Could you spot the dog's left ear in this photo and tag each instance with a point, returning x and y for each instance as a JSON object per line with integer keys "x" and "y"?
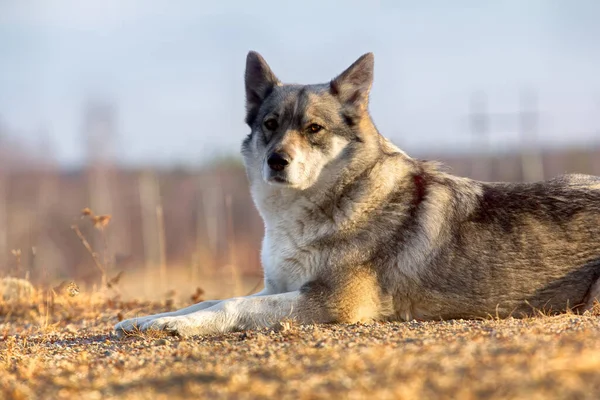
{"x": 260, "y": 81}
{"x": 353, "y": 85}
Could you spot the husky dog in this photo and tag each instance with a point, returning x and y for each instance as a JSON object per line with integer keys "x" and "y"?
{"x": 356, "y": 230}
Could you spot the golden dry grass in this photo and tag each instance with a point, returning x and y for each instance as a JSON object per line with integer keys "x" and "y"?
{"x": 67, "y": 349}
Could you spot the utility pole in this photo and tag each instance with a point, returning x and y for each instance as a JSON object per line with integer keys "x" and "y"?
{"x": 526, "y": 121}
{"x": 99, "y": 130}
{"x": 531, "y": 158}
{"x": 596, "y": 150}
{"x": 479, "y": 119}
{"x": 99, "y": 133}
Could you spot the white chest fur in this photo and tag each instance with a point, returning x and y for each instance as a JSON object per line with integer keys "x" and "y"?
{"x": 289, "y": 255}
{"x": 288, "y": 261}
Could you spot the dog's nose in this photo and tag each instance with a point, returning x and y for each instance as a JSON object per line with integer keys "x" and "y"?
{"x": 278, "y": 161}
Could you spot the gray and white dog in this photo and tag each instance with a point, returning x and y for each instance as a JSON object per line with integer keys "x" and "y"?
{"x": 356, "y": 230}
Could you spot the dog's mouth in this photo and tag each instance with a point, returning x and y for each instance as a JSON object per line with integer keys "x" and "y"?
{"x": 279, "y": 180}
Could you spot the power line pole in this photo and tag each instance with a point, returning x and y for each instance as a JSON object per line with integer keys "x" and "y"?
{"x": 531, "y": 158}
{"x": 526, "y": 121}
{"x": 99, "y": 129}
{"x": 479, "y": 119}
{"x": 596, "y": 144}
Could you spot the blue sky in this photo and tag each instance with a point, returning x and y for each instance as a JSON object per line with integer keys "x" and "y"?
{"x": 174, "y": 70}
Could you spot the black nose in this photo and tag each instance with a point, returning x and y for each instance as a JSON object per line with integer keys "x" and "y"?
{"x": 278, "y": 161}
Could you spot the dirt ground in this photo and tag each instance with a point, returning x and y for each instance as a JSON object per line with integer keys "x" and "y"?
{"x": 68, "y": 350}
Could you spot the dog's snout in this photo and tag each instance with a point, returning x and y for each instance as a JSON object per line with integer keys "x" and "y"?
{"x": 278, "y": 161}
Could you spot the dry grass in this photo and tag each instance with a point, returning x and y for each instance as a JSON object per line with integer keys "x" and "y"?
{"x": 56, "y": 342}
{"x": 66, "y": 349}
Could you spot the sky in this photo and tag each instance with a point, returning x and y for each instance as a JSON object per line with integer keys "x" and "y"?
{"x": 174, "y": 70}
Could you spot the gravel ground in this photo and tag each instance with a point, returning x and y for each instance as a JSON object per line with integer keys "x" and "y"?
{"x": 69, "y": 351}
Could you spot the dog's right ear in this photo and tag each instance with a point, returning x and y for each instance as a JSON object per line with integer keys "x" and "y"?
{"x": 353, "y": 85}
{"x": 260, "y": 81}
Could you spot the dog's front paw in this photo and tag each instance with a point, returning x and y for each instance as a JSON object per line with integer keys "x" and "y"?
{"x": 178, "y": 326}
{"x": 173, "y": 325}
{"x": 130, "y": 326}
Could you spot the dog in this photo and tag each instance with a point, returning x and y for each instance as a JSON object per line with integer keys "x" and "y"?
{"x": 356, "y": 230}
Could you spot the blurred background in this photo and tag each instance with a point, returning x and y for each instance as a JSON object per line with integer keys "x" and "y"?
{"x": 135, "y": 109}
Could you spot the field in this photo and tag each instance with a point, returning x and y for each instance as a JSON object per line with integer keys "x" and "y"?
{"x": 64, "y": 347}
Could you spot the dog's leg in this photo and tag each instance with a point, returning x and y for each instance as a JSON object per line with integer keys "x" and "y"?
{"x": 134, "y": 324}
{"x": 352, "y": 298}
{"x": 234, "y": 314}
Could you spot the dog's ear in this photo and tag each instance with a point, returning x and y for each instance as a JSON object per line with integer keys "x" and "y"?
{"x": 353, "y": 85}
{"x": 260, "y": 81}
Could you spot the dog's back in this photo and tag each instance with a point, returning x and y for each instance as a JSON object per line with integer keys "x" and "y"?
{"x": 523, "y": 247}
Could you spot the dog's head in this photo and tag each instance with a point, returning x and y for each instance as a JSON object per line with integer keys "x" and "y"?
{"x": 298, "y": 130}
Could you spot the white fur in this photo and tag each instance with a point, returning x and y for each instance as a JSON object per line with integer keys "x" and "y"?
{"x": 249, "y": 312}
{"x": 141, "y": 323}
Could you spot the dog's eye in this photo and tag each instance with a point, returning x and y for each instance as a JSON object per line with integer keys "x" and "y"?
{"x": 314, "y": 128}
{"x": 271, "y": 124}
